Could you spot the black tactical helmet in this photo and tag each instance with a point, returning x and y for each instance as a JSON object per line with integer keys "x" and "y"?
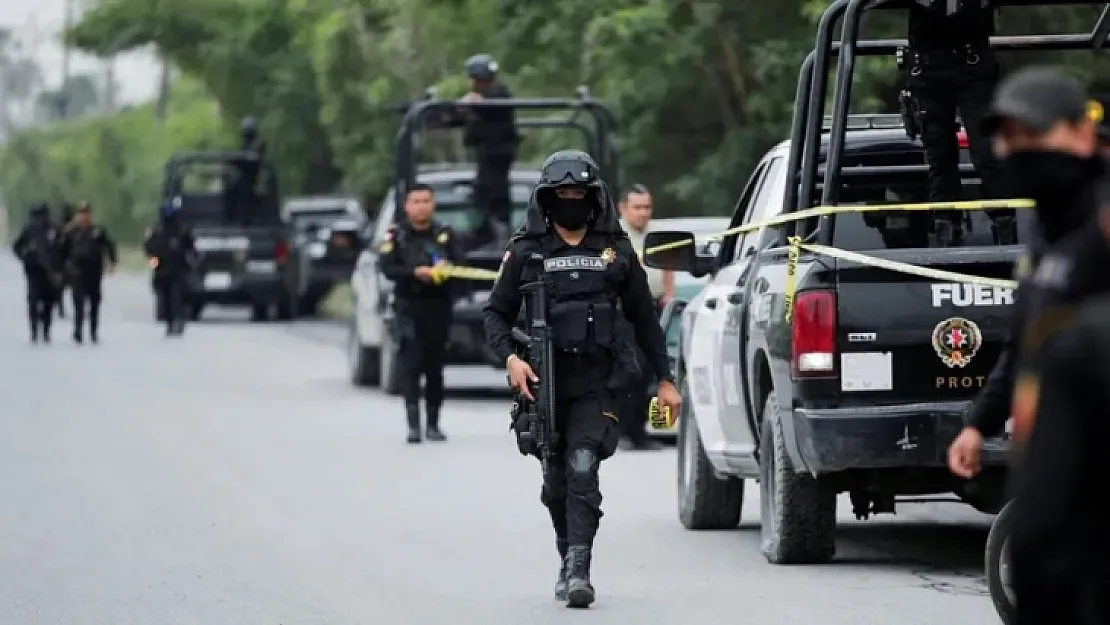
{"x": 481, "y": 67}
{"x": 571, "y": 168}
{"x": 248, "y": 127}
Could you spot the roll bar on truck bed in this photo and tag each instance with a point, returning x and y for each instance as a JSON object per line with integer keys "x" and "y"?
{"x": 600, "y": 136}
{"x": 813, "y": 81}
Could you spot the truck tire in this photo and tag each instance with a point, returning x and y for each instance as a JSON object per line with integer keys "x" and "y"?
{"x": 260, "y": 312}
{"x": 998, "y": 566}
{"x": 797, "y": 511}
{"x": 310, "y": 305}
{"x": 363, "y": 363}
{"x": 287, "y": 309}
{"x": 195, "y": 311}
{"x": 389, "y": 372}
{"x": 705, "y": 501}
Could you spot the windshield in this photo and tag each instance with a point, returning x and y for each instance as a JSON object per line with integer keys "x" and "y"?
{"x": 465, "y": 218}
{"x": 320, "y": 217}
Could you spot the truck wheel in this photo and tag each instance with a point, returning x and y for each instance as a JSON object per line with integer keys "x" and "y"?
{"x": 389, "y": 372}
{"x": 797, "y": 511}
{"x": 310, "y": 305}
{"x": 705, "y": 501}
{"x": 287, "y": 309}
{"x": 363, "y": 363}
{"x": 195, "y": 311}
{"x": 998, "y": 567}
{"x": 260, "y": 312}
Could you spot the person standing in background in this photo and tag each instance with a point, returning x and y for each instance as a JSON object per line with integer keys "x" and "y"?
{"x": 635, "y": 209}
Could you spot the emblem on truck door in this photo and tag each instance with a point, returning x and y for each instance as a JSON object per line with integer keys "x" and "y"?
{"x": 956, "y": 341}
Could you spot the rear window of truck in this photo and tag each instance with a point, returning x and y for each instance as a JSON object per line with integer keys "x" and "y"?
{"x": 909, "y": 229}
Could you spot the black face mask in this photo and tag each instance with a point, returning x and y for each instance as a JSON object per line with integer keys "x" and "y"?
{"x": 1057, "y": 182}
{"x": 570, "y": 214}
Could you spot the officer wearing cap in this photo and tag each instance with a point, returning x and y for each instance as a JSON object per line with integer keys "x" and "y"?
{"x": 1046, "y": 141}
{"x": 170, "y": 247}
{"x": 951, "y": 68}
{"x": 491, "y": 132}
{"x": 84, "y": 248}
{"x": 1044, "y": 129}
{"x": 597, "y": 297}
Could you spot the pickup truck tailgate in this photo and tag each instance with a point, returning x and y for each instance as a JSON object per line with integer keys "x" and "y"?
{"x": 941, "y": 339}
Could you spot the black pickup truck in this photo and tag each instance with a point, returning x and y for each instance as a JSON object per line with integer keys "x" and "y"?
{"x": 870, "y": 380}
{"x": 240, "y": 238}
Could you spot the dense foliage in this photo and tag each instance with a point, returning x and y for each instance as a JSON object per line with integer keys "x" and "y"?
{"x": 701, "y": 88}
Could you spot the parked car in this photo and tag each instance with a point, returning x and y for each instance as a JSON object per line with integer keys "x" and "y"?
{"x": 325, "y": 233}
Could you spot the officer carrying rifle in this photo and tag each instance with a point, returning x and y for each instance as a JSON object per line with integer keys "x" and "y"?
{"x": 588, "y": 298}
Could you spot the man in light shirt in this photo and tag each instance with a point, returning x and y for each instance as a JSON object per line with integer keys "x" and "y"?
{"x": 635, "y": 208}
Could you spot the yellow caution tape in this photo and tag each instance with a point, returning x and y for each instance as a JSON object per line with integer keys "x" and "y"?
{"x": 825, "y": 211}
{"x": 442, "y": 273}
{"x": 796, "y": 245}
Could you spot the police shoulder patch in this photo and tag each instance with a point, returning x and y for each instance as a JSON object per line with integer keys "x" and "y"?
{"x": 443, "y": 237}
{"x": 386, "y": 246}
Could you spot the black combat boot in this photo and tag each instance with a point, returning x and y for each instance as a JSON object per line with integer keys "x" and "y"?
{"x": 432, "y": 432}
{"x": 413, "y": 413}
{"x": 561, "y": 583}
{"x": 580, "y": 594}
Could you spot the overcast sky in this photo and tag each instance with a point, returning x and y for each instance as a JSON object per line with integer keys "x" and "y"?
{"x": 39, "y": 22}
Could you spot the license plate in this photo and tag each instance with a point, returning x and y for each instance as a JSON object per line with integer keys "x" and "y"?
{"x": 217, "y": 281}
{"x": 261, "y": 266}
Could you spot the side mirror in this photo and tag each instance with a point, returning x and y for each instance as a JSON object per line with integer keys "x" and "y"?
{"x": 678, "y": 251}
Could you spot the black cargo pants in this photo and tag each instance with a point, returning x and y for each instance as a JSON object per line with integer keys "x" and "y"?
{"x": 491, "y": 189}
{"x": 42, "y": 295}
{"x": 85, "y": 286}
{"x": 945, "y": 82}
{"x": 170, "y": 288}
{"x": 424, "y": 327}
{"x": 586, "y": 420}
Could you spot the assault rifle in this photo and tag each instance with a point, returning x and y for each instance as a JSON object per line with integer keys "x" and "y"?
{"x": 541, "y": 433}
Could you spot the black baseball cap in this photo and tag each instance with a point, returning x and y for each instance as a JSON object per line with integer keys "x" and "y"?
{"x": 1037, "y": 97}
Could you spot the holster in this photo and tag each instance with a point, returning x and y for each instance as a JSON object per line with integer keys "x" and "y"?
{"x": 907, "y": 103}
{"x": 518, "y": 423}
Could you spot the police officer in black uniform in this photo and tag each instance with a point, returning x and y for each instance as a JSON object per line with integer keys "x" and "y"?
{"x": 171, "y": 247}
{"x": 492, "y": 133}
{"x": 1043, "y": 124}
{"x": 38, "y": 248}
{"x": 1063, "y": 180}
{"x": 422, "y": 302}
{"x": 84, "y": 248}
{"x": 255, "y": 150}
{"x": 593, "y": 299}
{"x": 951, "y": 68}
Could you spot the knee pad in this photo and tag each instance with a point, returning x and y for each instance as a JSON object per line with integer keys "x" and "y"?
{"x": 582, "y": 465}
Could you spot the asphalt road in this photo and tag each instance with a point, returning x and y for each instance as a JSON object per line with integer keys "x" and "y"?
{"x": 234, "y": 477}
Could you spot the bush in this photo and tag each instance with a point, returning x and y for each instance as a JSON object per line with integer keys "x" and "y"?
{"x": 114, "y": 162}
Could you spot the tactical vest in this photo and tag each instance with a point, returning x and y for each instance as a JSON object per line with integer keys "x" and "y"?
{"x": 85, "y": 245}
{"x": 582, "y": 290}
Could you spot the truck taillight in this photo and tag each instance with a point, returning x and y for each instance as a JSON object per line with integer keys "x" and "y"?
{"x": 961, "y": 138}
{"x": 281, "y": 251}
{"x": 813, "y": 334}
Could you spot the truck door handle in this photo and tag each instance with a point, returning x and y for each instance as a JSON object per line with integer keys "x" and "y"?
{"x": 736, "y": 298}
{"x": 711, "y": 302}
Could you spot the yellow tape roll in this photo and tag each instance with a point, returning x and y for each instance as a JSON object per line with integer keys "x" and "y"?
{"x": 660, "y": 419}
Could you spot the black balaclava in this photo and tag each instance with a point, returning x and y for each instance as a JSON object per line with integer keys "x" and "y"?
{"x": 568, "y": 213}
{"x": 1057, "y": 182}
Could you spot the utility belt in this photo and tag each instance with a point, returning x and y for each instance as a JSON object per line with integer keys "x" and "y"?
{"x": 913, "y": 62}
